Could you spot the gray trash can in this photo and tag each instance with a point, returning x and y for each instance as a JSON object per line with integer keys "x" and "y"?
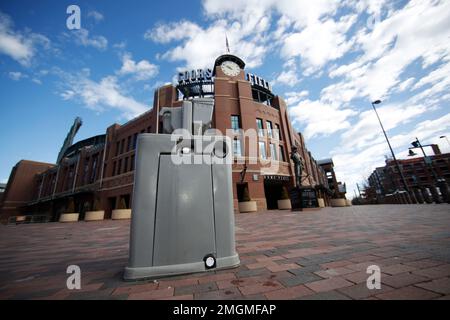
{"x": 182, "y": 213}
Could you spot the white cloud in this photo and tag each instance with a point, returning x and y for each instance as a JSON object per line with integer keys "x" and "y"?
{"x": 304, "y": 28}
{"x": 288, "y": 77}
{"x": 83, "y": 38}
{"x": 319, "y": 42}
{"x": 406, "y": 84}
{"x": 367, "y": 129}
{"x": 16, "y": 75}
{"x": 20, "y": 46}
{"x": 101, "y": 95}
{"x": 394, "y": 44}
{"x": 142, "y": 70}
{"x": 120, "y": 45}
{"x": 293, "y": 97}
{"x": 439, "y": 74}
{"x": 165, "y": 33}
{"x": 320, "y": 118}
{"x": 200, "y": 46}
{"x": 97, "y": 16}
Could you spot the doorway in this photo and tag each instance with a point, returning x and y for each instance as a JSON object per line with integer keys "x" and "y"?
{"x": 272, "y": 191}
{"x": 240, "y": 188}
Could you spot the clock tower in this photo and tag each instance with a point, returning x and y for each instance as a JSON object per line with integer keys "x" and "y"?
{"x": 228, "y": 65}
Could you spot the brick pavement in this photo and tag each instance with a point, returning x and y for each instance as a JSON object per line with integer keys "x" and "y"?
{"x": 307, "y": 255}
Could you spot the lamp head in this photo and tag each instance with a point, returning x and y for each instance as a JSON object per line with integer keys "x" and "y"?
{"x": 411, "y": 153}
{"x": 376, "y": 102}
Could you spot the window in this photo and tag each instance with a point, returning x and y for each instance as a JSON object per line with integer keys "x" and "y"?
{"x": 282, "y": 154}
{"x": 114, "y": 169}
{"x": 237, "y": 150}
{"x": 119, "y": 166}
{"x": 273, "y": 152}
{"x": 94, "y": 168}
{"x": 149, "y": 129}
{"x": 128, "y": 143}
{"x": 269, "y": 129}
{"x": 134, "y": 140}
{"x": 277, "y": 132}
{"x": 117, "y": 148}
{"x": 255, "y": 94}
{"x": 262, "y": 150}
{"x": 122, "y": 145}
{"x": 235, "y": 124}
{"x": 86, "y": 170}
{"x": 259, "y": 126}
{"x": 132, "y": 163}
{"x": 71, "y": 176}
{"x": 125, "y": 165}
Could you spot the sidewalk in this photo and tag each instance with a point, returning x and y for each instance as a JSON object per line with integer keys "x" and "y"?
{"x": 307, "y": 255}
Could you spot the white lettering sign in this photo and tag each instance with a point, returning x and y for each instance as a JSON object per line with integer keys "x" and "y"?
{"x": 194, "y": 76}
{"x": 258, "y": 81}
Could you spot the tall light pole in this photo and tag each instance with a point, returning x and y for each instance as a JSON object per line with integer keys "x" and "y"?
{"x": 405, "y": 185}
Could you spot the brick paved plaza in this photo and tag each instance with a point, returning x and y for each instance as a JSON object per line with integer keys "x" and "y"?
{"x": 308, "y": 255}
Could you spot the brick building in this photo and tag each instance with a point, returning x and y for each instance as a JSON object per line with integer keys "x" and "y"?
{"x": 103, "y": 166}
{"x": 419, "y": 176}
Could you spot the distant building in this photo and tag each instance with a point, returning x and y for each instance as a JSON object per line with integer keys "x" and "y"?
{"x": 387, "y": 180}
{"x": 338, "y": 189}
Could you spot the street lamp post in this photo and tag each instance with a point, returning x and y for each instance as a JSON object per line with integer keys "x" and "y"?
{"x": 405, "y": 185}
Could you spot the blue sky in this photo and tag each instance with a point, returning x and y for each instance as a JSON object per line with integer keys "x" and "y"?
{"x": 328, "y": 59}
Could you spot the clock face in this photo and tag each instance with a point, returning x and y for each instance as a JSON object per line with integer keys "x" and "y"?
{"x": 230, "y": 68}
